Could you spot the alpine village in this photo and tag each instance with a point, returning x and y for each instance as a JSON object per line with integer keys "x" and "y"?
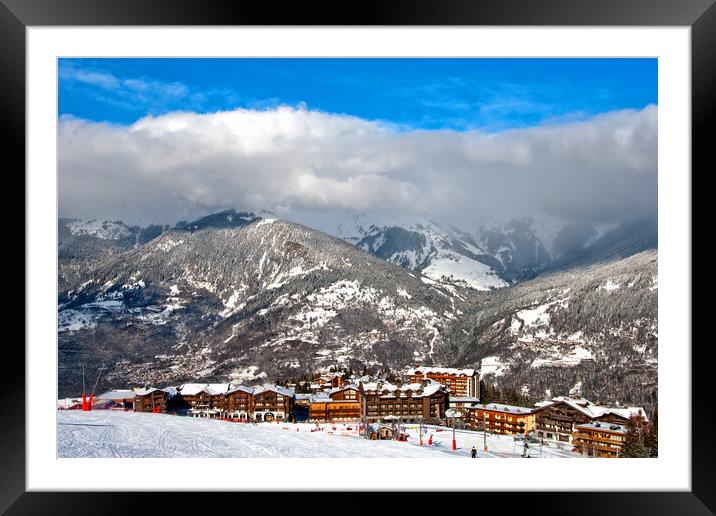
{"x": 387, "y": 406}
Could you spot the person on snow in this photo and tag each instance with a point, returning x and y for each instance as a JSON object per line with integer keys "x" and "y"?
{"x": 473, "y": 452}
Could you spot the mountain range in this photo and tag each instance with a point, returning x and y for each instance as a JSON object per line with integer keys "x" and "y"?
{"x": 241, "y": 297}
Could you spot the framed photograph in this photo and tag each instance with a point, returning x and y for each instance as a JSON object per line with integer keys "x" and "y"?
{"x": 296, "y": 252}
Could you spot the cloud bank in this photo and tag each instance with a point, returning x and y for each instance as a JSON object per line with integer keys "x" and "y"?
{"x": 292, "y": 160}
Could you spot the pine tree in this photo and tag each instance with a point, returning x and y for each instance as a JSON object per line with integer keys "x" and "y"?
{"x": 487, "y": 393}
{"x": 634, "y": 440}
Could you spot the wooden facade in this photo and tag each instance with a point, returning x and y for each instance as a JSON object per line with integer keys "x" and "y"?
{"x": 597, "y": 439}
{"x": 237, "y": 403}
{"x": 501, "y": 419}
{"x": 341, "y": 405}
{"x": 272, "y": 404}
{"x": 410, "y": 403}
{"x": 266, "y": 403}
{"x": 150, "y": 400}
{"x": 334, "y": 411}
{"x": 202, "y": 401}
{"x": 556, "y": 421}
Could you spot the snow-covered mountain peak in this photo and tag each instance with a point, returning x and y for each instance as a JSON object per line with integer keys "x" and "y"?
{"x": 438, "y": 250}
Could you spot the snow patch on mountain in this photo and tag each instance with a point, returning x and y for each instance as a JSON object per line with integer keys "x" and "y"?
{"x": 493, "y": 365}
{"x": 167, "y": 244}
{"x": 102, "y": 229}
{"x": 531, "y": 323}
{"x": 74, "y": 320}
{"x": 263, "y": 222}
{"x": 438, "y": 250}
{"x": 557, "y": 357}
{"x": 453, "y": 267}
{"x": 246, "y": 374}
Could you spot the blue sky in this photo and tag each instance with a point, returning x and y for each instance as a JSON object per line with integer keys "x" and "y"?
{"x": 458, "y": 94}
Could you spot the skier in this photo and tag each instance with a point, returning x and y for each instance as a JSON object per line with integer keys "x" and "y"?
{"x": 473, "y": 452}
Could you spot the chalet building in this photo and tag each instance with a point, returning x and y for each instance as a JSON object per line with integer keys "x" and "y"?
{"x": 501, "y": 419}
{"x": 348, "y": 392}
{"x": 272, "y": 403}
{"x": 460, "y": 382}
{"x": 620, "y": 415}
{"x": 204, "y": 399}
{"x": 119, "y": 399}
{"x": 237, "y": 403}
{"x": 264, "y": 403}
{"x": 341, "y": 404}
{"x": 410, "y": 402}
{"x": 556, "y": 419}
{"x": 150, "y": 400}
{"x": 599, "y": 439}
{"x": 318, "y": 410}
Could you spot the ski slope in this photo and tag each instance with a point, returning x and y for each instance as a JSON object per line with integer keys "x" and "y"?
{"x": 107, "y": 433}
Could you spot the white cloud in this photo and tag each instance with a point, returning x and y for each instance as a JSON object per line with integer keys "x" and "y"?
{"x": 185, "y": 164}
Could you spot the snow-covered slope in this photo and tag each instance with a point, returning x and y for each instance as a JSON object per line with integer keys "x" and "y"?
{"x": 452, "y": 267}
{"x": 594, "y": 325}
{"x": 234, "y": 296}
{"x": 440, "y": 251}
{"x": 112, "y": 434}
{"x": 270, "y": 298}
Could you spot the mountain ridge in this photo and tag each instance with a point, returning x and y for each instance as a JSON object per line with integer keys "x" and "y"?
{"x": 248, "y": 298}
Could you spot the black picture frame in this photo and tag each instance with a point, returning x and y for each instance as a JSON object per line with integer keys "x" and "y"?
{"x": 700, "y": 15}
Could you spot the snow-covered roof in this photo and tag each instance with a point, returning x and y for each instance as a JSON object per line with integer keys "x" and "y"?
{"x": 507, "y": 409}
{"x": 596, "y": 425}
{"x": 629, "y": 412}
{"x": 117, "y": 394}
{"x": 219, "y": 388}
{"x": 440, "y": 370}
{"x": 242, "y": 388}
{"x": 144, "y": 392}
{"x": 274, "y": 388}
{"x": 593, "y": 411}
{"x": 192, "y": 389}
{"x": 392, "y": 390}
{"x": 171, "y": 391}
{"x": 343, "y": 388}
